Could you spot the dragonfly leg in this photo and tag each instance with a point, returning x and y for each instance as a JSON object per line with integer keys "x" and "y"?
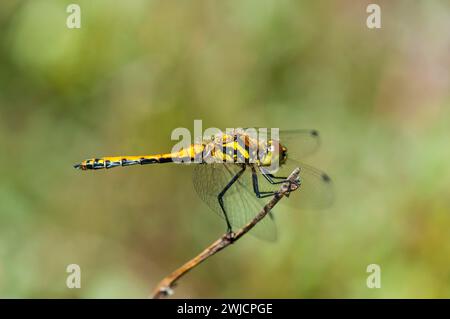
{"x": 255, "y": 183}
{"x": 272, "y": 179}
{"x": 222, "y": 193}
{"x": 258, "y": 193}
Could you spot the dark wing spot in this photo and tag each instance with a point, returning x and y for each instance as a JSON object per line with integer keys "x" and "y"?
{"x": 326, "y": 178}
{"x": 314, "y": 132}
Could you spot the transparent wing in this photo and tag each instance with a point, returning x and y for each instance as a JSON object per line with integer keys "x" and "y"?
{"x": 316, "y": 187}
{"x": 240, "y": 201}
{"x": 300, "y": 143}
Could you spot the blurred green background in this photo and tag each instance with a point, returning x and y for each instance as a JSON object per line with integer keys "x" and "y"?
{"x": 138, "y": 69}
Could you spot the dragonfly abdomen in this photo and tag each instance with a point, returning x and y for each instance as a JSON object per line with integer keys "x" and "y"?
{"x": 115, "y": 161}
{"x": 183, "y": 156}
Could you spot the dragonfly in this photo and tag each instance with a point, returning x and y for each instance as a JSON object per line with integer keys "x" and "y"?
{"x": 235, "y": 171}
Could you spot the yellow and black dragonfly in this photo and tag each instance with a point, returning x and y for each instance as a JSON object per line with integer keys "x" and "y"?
{"x": 235, "y": 171}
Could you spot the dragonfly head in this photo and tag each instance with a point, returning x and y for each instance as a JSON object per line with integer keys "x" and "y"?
{"x": 274, "y": 152}
{"x": 283, "y": 154}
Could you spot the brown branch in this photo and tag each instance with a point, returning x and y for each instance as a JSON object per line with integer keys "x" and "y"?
{"x": 165, "y": 287}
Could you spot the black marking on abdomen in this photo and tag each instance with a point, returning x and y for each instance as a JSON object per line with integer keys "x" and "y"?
{"x": 148, "y": 161}
{"x": 155, "y": 160}
{"x": 126, "y": 162}
{"x": 95, "y": 164}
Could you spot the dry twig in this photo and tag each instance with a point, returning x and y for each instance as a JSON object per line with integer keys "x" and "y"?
{"x": 165, "y": 287}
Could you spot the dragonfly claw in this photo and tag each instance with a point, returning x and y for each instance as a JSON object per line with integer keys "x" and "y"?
{"x": 230, "y": 235}
{"x": 292, "y": 187}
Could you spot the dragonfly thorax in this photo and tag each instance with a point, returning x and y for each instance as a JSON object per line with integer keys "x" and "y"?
{"x": 242, "y": 148}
